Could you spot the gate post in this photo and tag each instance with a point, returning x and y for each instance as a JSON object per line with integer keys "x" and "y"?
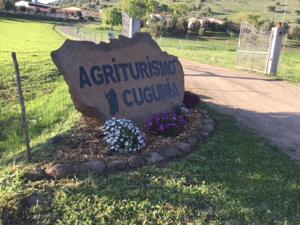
{"x": 277, "y": 35}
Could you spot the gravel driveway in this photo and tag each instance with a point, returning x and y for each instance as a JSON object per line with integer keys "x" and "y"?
{"x": 269, "y": 106}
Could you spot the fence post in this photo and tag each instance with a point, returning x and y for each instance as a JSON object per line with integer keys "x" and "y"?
{"x": 275, "y": 49}
{"x": 23, "y": 109}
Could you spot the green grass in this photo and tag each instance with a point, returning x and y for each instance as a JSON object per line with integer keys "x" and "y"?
{"x": 47, "y": 100}
{"x": 221, "y": 51}
{"x": 235, "y": 178}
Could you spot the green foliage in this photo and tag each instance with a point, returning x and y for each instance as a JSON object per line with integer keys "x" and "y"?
{"x": 179, "y": 9}
{"x": 294, "y": 32}
{"x": 140, "y": 9}
{"x": 195, "y": 26}
{"x": 266, "y": 25}
{"x": 271, "y": 8}
{"x": 113, "y": 17}
{"x": 174, "y": 26}
{"x": 9, "y": 5}
{"x": 158, "y": 28}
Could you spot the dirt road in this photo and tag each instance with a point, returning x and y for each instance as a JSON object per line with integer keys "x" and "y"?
{"x": 268, "y": 106}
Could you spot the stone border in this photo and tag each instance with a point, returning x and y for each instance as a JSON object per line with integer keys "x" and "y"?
{"x": 101, "y": 167}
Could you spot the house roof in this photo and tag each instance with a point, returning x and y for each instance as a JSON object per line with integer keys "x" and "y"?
{"x": 72, "y": 9}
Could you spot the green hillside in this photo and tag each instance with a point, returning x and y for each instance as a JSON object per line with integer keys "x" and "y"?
{"x": 219, "y": 8}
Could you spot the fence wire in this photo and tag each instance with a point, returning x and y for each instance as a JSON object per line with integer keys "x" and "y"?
{"x": 83, "y": 34}
{"x": 46, "y": 96}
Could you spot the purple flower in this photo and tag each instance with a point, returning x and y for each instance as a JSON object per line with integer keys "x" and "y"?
{"x": 190, "y": 99}
{"x": 167, "y": 123}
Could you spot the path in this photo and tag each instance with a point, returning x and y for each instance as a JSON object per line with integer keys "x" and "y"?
{"x": 268, "y": 106}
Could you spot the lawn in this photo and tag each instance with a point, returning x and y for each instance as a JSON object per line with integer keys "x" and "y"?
{"x": 49, "y": 107}
{"x": 221, "y": 51}
{"x": 234, "y": 178}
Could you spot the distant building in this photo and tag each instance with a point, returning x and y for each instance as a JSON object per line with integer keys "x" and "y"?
{"x": 46, "y": 10}
{"x": 2, "y": 5}
{"x": 72, "y": 11}
{"x": 34, "y": 8}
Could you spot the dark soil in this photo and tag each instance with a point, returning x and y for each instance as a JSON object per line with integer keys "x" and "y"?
{"x": 86, "y": 141}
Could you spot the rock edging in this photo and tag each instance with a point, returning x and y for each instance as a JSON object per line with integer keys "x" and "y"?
{"x": 101, "y": 167}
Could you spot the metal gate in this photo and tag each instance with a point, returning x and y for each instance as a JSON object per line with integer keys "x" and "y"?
{"x": 253, "y": 49}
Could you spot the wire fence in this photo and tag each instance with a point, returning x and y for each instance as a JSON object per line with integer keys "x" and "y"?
{"x": 83, "y": 34}
{"x": 46, "y": 97}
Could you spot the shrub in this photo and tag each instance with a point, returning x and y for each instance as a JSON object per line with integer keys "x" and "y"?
{"x": 201, "y": 31}
{"x": 298, "y": 20}
{"x": 190, "y": 99}
{"x": 297, "y": 11}
{"x": 294, "y": 32}
{"x": 195, "y": 26}
{"x": 90, "y": 18}
{"x": 8, "y": 5}
{"x": 22, "y": 9}
{"x": 122, "y": 136}
{"x": 271, "y": 8}
{"x": 182, "y": 25}
{"x": 177, "y": 25}
{"x": 167, "y": 124}
{"x": 113, "y": 17}
{"x": 267, "y": 25}
{"x": 158, "y": 28}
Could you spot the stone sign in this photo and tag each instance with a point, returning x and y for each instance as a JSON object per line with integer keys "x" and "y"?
{"x": 127, "y": 78}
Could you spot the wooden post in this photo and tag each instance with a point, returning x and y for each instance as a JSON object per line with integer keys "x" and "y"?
{"x": 23, "y": 109}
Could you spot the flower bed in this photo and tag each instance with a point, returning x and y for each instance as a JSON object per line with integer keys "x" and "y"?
{"x": 86, "y": 150}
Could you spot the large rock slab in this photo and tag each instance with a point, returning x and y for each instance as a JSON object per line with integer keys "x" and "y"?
{"x": 127, "y": 78}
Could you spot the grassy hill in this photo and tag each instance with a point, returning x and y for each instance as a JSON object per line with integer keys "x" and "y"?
{"x": 220, "y": 8}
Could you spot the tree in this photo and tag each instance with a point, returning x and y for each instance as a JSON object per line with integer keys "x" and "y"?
{"x": 113, "y": 17}
{"x": 140, "y": 9}
{"x": 179, "y": 9}
{"x": 294, "y": 32}
{"x": 8, "y": 5}
{"x": 271, "y": 8}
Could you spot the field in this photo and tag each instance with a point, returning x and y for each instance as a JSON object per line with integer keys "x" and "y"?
{"x": 33, "y": 42}
{"x": 222, "y": 52}
{"x": 234, "y": 178}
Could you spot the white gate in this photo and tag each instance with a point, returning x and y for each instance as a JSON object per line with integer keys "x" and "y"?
{"x": 253, "y": 49}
